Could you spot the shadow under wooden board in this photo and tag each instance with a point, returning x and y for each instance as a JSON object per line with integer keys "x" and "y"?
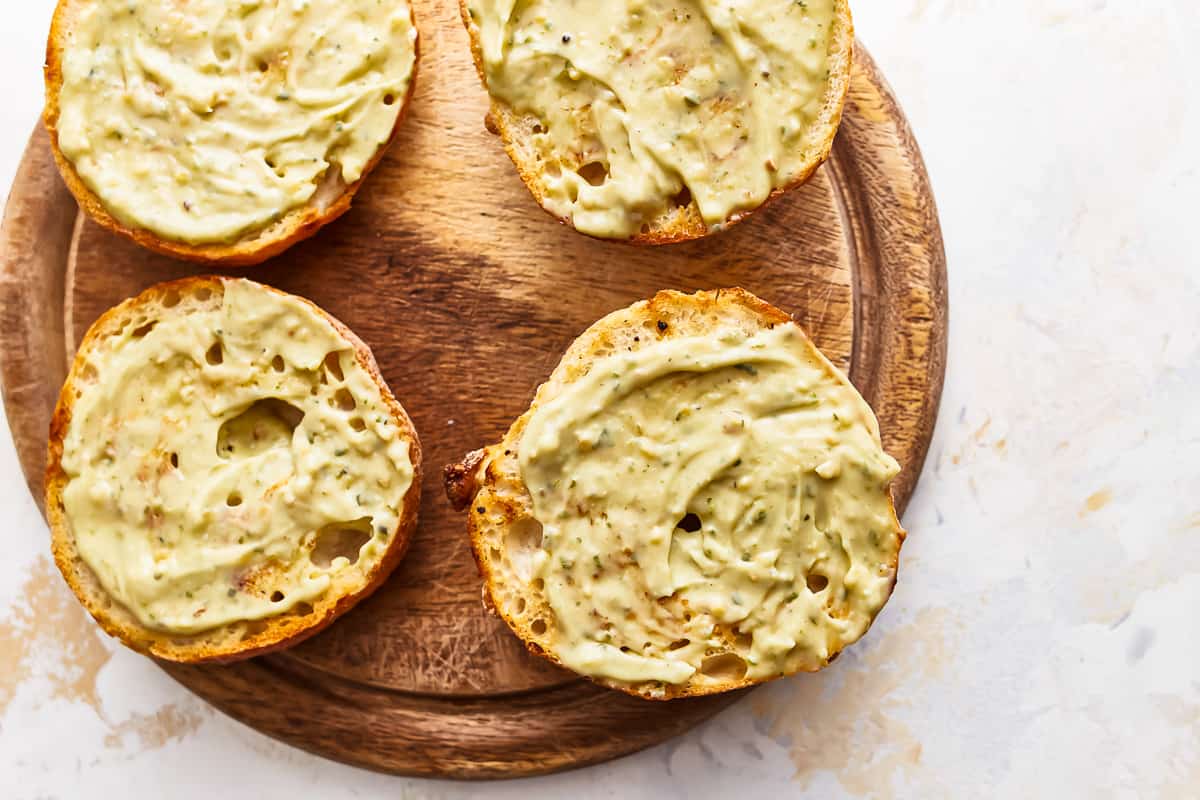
{"x": 468, "y": 293}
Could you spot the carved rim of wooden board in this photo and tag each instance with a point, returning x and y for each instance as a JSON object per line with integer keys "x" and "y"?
{"x": 897, "y": 356}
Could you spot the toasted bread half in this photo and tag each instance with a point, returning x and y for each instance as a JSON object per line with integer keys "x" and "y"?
{"x": 215, "y": 504}
{"x": 680, "y": 217}
{"x": 805, "y": 575}
{"x": 290, "y": 223}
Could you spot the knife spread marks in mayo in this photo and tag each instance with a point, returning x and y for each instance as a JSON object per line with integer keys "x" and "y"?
{"x": 205, "y": 120}
{"x": 644, "y": 98}
{"x": 702, "y": 491}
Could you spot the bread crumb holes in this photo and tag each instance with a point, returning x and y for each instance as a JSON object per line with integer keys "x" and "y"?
{"x": 343, "y": 399}
{"x": 725, "y": 667}
{"x": 340, "y": 540}
{"x": 333, "y": 365}
{"x": 594, "y": 172}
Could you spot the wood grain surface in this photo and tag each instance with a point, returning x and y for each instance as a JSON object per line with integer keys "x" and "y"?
{"x": 468, "y": 293}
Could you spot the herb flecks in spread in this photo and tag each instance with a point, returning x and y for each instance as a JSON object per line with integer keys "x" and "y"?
{"x": 703, "y": 491}
{"x": 220, "y": 454}
{"x": 648, "y": 97}
{"x": 204, "y": 120}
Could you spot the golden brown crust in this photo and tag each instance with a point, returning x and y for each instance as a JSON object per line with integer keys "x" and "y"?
{"x": 278, "y": 632}
{"x": 295, "y": 226}
{"x": 459, "y": 479}
{"x": 679, "y": 224}
{"x": 488, "y": 481}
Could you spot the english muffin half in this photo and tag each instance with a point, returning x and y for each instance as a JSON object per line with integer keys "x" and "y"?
{"x": 224, "y": 132}
{"x": 697, "y": 500}
{"x": 658, "y": 121}
{"x": 228, "y": 471}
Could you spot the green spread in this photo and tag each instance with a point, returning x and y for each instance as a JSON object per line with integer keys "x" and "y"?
{"x": 218, "y": 456}
{"x": 205, "y": 120}
{"x": 646, "y": 97}
{"x": 702, "y": 490}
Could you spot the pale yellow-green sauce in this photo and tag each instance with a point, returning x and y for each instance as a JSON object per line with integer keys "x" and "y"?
{"x": 779, "y": 460}
{"x": 718, "y": 96}
{"x": 206, "y": 120}
{"x": 191, "y": 526}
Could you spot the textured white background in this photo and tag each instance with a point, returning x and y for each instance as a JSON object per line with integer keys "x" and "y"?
{"x": 1044, "y": 639}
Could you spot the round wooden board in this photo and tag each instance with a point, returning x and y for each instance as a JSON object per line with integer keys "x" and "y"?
{"x": 468, "y": 293}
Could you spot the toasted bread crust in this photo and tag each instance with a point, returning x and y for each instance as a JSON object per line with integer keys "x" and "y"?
{"x": 488, "y": 483}
{"x": 254, "y": 248}
{"x": 675, "y": 225}
{"x": 279, "y": 632}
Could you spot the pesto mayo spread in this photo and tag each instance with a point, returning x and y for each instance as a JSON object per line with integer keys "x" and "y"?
{"x": 213, "y": 452}
{"x": 707, "y": 488}
{"x": 718, "y": 96}
{"x": 205, "y": 120}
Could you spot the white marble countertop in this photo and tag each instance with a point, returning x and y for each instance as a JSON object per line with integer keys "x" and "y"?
{"x": 1044, "y": 639}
